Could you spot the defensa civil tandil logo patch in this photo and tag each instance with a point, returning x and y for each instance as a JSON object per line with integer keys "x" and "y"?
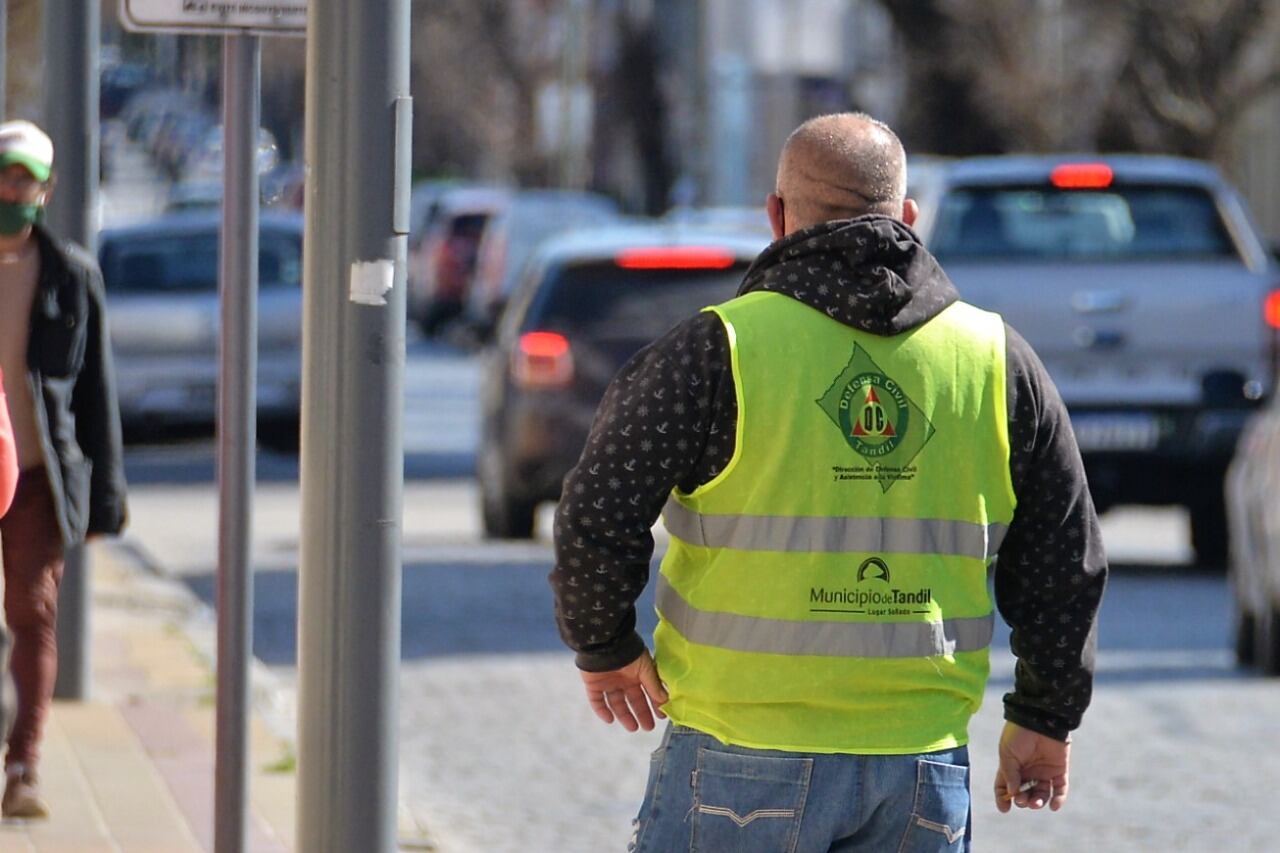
{"x": 877, "y": 419}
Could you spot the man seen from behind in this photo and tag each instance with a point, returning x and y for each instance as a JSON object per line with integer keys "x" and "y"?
{"x": 839, "y": 453}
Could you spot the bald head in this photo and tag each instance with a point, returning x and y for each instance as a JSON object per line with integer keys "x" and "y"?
{"x": 840, "y": 166}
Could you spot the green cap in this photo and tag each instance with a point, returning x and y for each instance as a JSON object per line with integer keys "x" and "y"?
{"x": 23, "y": 143}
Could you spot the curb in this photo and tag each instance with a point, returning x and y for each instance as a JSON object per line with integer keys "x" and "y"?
{"x": 149, "y": 586}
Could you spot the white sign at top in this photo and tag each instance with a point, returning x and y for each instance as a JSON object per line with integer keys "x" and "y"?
{"x": 226, "y": 17}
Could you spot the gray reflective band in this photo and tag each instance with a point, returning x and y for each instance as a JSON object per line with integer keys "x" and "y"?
{"x": 829, "y": 639}
{"x": 837, "y": 534}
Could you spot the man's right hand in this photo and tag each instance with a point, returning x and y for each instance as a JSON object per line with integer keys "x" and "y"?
{"x": 1026, "y": 756}
{"x": 627, "y": 694}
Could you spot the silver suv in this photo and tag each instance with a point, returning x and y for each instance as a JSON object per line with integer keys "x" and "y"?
{"x": 1143, "y": 285}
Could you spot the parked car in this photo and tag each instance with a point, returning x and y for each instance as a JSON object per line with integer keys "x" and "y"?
{"x": 1142, "y": 284}
{"x": 1253, "y": 508}
{"x": 424, "y": 208}
{"x": 514, "y": 232}
{"x": 586, "y": 303}
{"x": 202, "y": 160}
{"x": 444, "y": 262}
{"x": 162, "y": 307}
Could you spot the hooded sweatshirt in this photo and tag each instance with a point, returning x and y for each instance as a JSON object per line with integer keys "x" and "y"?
{"x": 871, "y": 273}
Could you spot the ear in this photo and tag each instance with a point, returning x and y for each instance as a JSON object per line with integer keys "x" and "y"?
{"x": 47, "y": 192}
{"x": 777, "y": 221}
{"x": 910, "y": 212}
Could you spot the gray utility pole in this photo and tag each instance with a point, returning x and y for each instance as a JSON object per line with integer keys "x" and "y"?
{"x": 358, "y": 129}
{"x": 71, "y": 35}
{"x": 4, "y": 58}
{"x": 237, "y": 420}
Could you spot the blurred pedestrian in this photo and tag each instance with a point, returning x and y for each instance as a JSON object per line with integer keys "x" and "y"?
{"x": 839, "y": 454}
{"x": 54, "y": 352}
{"x": 8, "y": 483}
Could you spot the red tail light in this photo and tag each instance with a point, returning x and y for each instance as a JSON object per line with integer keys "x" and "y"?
{"x": 542, "y": 360}
{"x": 1271, "y": 315}
{"x": 675, "y": 258}
{"x": 1081, "y": 176}
{"x": 1271, "y": 310}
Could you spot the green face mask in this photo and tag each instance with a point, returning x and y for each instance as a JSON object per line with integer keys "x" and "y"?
{"x": 14, "y": 217}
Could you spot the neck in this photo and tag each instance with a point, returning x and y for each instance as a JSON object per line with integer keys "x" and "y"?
{"x": 11, "y": 244}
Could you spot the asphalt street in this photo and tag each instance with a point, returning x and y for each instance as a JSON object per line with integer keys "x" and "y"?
{"x": 500, "y": 752}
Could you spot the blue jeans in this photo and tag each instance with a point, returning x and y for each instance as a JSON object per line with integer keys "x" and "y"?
{"x": 708, "y": 797}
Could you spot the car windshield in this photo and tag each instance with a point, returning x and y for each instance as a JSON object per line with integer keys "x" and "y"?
{"x": 1116, "y": 223}
{"x": 188, "y": 263}
{"x": 610, "y": 303}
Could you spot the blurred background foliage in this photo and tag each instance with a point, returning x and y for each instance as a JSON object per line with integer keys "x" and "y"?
{"x": 686, "y": 101}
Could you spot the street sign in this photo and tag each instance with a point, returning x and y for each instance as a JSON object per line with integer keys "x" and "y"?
{"x": 216, "y": 17}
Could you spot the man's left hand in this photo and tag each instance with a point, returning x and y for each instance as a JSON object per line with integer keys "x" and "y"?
{"x": 627, "y": 694}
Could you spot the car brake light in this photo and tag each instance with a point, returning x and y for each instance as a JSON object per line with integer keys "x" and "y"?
{"x": 675, "y": 258}
{"x": 1271, "y": 315}
{"x": 1081, "y": 176}
{"x": 1271, "y": 309}
{"x": 542, "y": 360}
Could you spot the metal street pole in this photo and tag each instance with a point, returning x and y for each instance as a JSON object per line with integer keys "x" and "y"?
{"x": 358, "y": 125}
{"x": 71, "y": 35}
{"x": 237, "y": 419}
{"x": 4, "y": 58}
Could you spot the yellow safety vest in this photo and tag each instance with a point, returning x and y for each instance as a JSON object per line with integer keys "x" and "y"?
{"x": 827, "y": 592}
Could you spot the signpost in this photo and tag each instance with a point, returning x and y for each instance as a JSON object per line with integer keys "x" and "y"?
{"x": 241, "y": 23}
{"x": 216, "y": 17}
{"x": 71, "y": 35}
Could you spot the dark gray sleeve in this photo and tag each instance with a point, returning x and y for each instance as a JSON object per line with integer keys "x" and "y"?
{"x": 1051, "y": 569}
{"x": 97, "y": 417}
{"x": 653, "y": 431}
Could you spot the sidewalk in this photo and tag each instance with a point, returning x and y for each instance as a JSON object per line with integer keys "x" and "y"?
{"x": 132, "y": 769}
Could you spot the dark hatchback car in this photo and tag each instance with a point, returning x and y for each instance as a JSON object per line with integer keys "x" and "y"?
{"x": 585, "y": 305}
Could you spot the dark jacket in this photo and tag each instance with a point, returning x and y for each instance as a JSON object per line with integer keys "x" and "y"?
{"x": 668, "y": 420}
{"x": 69, "y": 366}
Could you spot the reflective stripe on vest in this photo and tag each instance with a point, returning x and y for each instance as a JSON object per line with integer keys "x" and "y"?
{"x": 808, "y": 534}
{"x": 828, "y": 639}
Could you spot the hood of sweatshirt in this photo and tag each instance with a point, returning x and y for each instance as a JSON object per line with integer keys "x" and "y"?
{"x": 871, "y": 272}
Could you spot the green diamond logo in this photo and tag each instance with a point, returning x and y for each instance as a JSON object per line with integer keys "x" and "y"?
{"x": 876, "y": 418}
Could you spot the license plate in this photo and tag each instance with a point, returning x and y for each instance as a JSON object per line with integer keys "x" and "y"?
{"x": 1116, "y": 432}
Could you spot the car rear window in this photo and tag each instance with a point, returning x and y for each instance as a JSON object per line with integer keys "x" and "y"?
{"x": 188, "y": 263}
{"x": 1116, "y": 223}
{"x": 608, "y": 302}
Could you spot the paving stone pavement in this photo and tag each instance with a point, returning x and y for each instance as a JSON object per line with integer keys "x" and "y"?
{"x": 131, "y": 769}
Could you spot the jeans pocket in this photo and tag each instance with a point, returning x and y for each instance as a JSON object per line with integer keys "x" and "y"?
{"x": 748, "y": 802}
{"x": 940, "y": 814}
{"x": 652, "y": 791}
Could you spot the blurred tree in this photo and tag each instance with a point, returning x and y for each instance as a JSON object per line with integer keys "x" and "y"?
{"x": 942, "y": 112}
{"x": 24, "y": 59}
{"x": 473, "y": 91}
{"x": 989, "y": 76}
{"x": 284, "y": 97}
{"x": 633, "y": 111}
{"x": 1191, "y": 69}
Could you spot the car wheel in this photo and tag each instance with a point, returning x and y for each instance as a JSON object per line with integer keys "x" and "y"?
{"x": 1245, "y": 626}
{"x": 281, "y": 434}
{"x": 1267, "y": 641}
{"x": 1209, "y": 534}
{"x": 501, "y": 515}
{"x": 505, "y": 517}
